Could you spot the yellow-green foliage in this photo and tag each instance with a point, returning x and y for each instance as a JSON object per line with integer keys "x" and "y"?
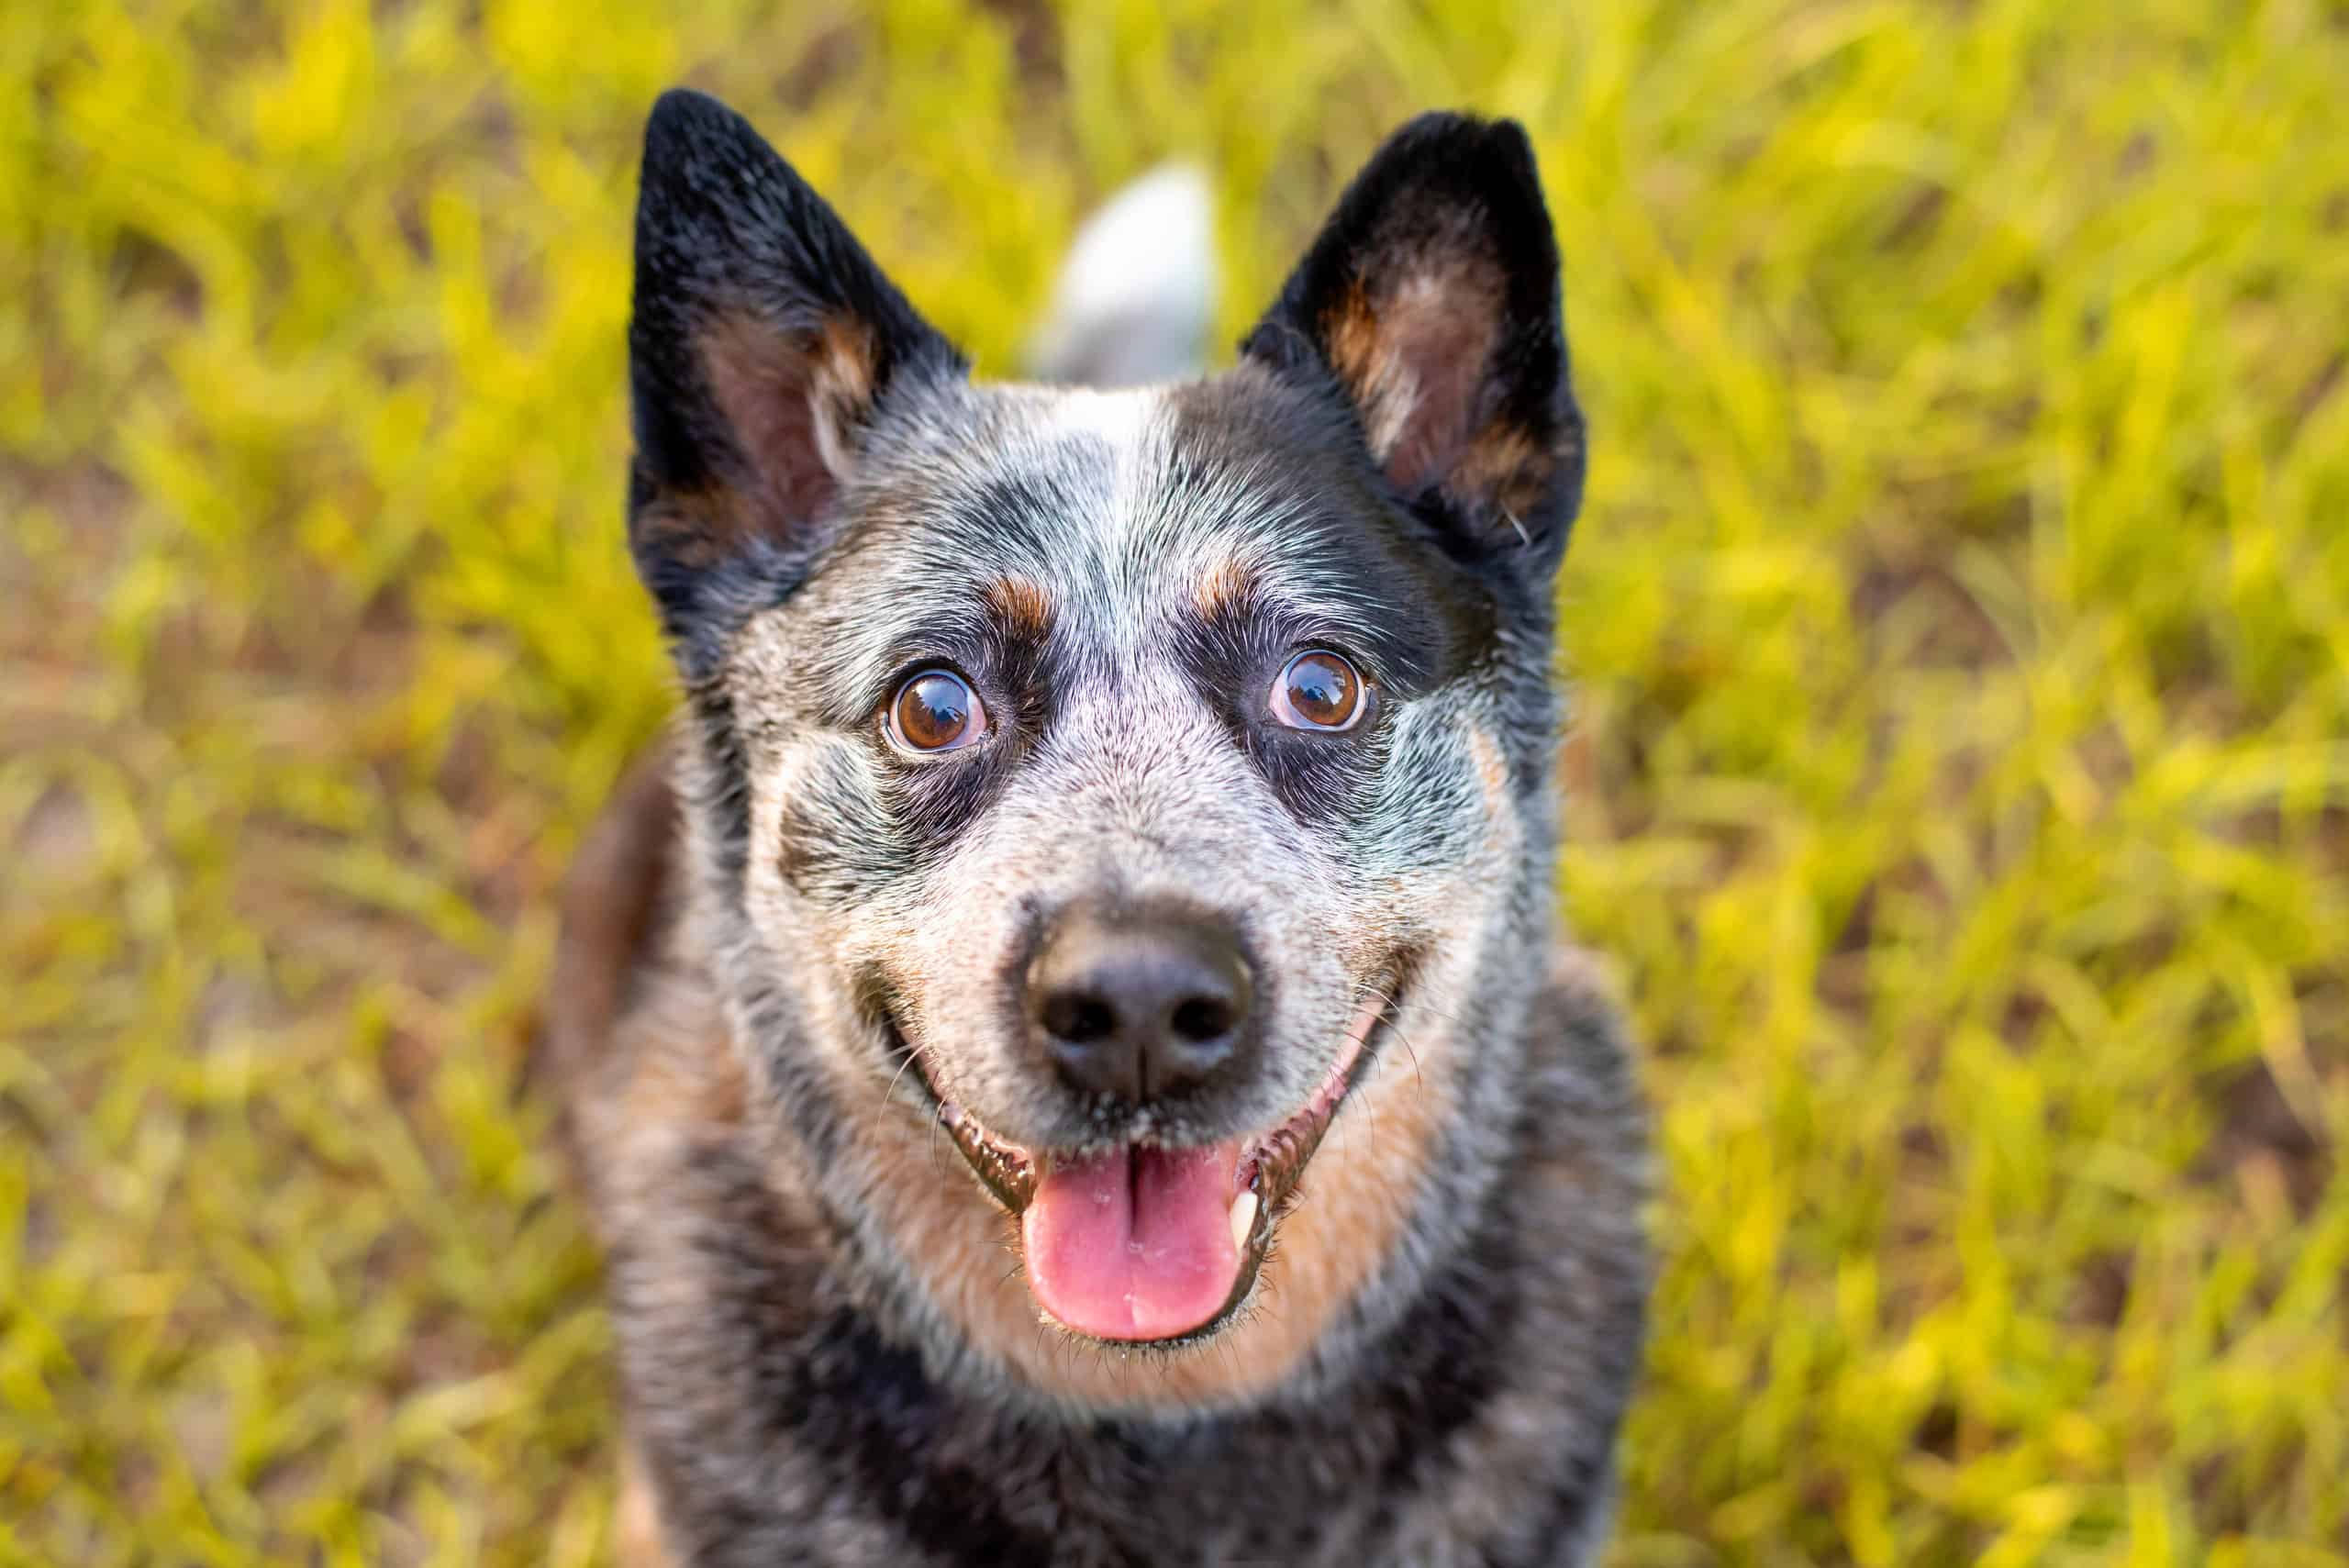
{"x": 1961, "y": 618}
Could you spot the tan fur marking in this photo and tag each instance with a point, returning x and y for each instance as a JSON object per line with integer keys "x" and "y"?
{"x": 844, "y": 361}
{"x": 1367, "y": 360}
{"x": 1354, "y": 1203}
{"x": 1504, "y": 463}
{"x": 1222, "y": 588}
{"x": 1023, "y": 604}
{"x": 1492, "y": 770}
{"x": 1358, "y": 1194}
{"x": 689, "y": 1079}
{"x": 839, "y": 386}
{"x": 636, "y": 1519}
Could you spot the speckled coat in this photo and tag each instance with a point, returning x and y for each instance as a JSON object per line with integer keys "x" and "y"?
{"x": 788, "y": 945}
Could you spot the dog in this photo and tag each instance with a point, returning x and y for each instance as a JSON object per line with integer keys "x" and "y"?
{"x": 1068, "y": 1049}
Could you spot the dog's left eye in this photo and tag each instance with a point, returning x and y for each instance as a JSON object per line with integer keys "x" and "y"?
{"x": 936, "y": 711}
{"x": 1318, "y": 690}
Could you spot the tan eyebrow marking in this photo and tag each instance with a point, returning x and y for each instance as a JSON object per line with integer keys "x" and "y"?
{"x": 1222, "y": 587}
{"x": 1022, "y": 604}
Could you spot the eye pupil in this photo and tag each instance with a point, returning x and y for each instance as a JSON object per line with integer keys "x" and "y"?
{"x": 934, "y": 710}
{"x": 1322, "y": 690}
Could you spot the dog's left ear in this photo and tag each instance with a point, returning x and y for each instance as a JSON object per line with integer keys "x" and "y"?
{"x": 763, "y": 342}
{"x": 1430, "y": 299}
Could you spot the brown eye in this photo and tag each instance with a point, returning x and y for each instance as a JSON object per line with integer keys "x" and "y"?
{"x": 1318, "y": 690}
{"x": 936, "y": 711}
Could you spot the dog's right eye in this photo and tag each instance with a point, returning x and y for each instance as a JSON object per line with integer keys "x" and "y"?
{"x": 936, "y": 711}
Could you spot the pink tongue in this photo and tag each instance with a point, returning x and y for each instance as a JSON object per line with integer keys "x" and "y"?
{"x": 1137, "y": 1244}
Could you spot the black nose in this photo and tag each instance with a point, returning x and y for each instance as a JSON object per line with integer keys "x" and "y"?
{"x": 1139, "y": 1005}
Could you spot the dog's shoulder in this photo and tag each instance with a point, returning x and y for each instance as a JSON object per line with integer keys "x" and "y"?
{"x": 635, "y": 1041}
{"x": 1585, "y": 1170}
{"x": 619, "y": 904}
{"x": 1585, "y": 1061}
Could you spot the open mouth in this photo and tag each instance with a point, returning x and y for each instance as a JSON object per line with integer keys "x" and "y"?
{"x": 1145, "y": 1242}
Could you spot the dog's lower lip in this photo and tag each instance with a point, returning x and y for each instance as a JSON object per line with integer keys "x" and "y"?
{"x": 1265, "y": 1178}
{"x": 1003, "y": 1168}
{"x": 1006, "y": 1169}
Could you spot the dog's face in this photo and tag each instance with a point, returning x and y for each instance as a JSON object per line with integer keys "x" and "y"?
{"x": 1138, "y": 785}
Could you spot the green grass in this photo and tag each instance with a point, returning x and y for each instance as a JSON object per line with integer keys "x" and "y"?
{"x": 1961, "y": 619}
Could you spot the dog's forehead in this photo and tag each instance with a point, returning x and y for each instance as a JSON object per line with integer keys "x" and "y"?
{"x": 1114, "y": 505}
{"x": 1109, "y": 517}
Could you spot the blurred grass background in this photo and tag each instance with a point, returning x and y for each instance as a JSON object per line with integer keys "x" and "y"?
{"x": 1961, "y": 619}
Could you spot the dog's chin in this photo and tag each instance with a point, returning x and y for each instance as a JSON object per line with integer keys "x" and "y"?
{"x": 1145, "y": 1242}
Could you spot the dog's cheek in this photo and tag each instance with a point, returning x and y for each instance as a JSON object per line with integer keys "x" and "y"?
{"x": 1441, "y": 807}
{"x": 961, "y": 958}
{"x": 1437, "y": 850}
{"x": 830, "y": 837}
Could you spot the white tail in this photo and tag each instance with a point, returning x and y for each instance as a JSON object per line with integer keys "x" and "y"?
{"x": 1136, "y": 297}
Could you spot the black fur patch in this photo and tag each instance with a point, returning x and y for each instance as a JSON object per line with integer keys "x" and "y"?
{"x": 867, "y": 1406}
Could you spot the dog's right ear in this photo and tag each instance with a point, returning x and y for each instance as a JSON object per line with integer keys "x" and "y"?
{"x": 763, "y": 342}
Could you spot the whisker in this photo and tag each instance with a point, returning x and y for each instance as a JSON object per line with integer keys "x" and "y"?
{"x": 912, "y": 1051}
{"x": 1391, "y": 1016}
{"x": 1444, "y": 1013}
{"x": 1230, "y": 1356}
{"x": 1044, "y": 1342}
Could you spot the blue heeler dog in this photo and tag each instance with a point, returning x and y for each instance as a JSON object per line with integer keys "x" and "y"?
{"x": 1069, "y": 1051}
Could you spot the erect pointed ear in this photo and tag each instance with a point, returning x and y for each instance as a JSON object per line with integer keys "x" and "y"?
{"x": 763, "y": 340}
{"x": 1431, "y": 299}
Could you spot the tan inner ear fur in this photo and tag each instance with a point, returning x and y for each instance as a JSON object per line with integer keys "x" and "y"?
{"x": 1417, "y": 355}
{"x": 1507, "y": 467}
{"x": 792, "y": 400}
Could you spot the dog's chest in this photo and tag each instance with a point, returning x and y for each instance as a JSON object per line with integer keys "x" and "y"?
{"x": 849, "y": 1453}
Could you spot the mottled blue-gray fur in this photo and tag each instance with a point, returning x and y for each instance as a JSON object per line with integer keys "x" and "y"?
{"x": 792, "y": 942}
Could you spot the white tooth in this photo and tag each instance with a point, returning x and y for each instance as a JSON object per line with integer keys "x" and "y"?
{"x": 1243, "y": 1219}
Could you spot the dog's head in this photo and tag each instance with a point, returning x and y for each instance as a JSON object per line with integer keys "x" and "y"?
{"x": 1126, "y": 788}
